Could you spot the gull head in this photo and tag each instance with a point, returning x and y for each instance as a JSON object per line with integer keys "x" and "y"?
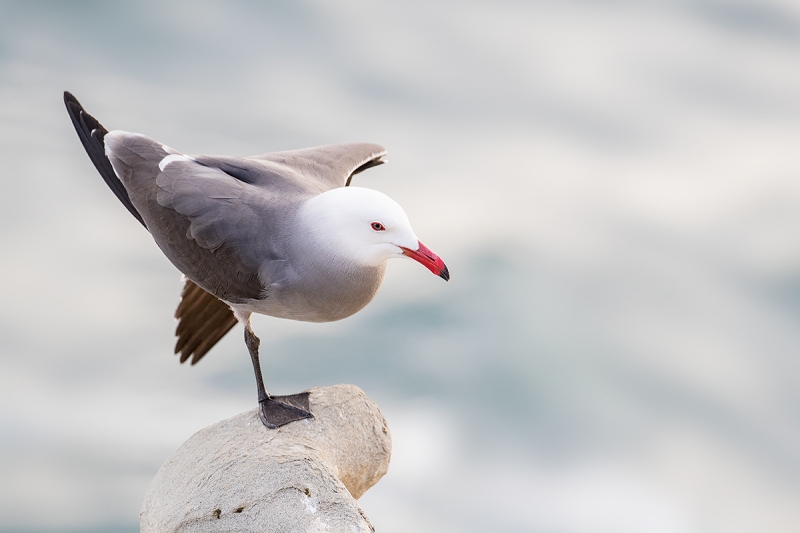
{"x": 365, "y": 227}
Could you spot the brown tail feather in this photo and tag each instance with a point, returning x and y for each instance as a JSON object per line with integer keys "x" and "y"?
{"x": 203, "y": 321}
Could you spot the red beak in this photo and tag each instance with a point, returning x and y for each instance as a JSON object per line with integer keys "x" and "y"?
{"x": 429, "y": 260}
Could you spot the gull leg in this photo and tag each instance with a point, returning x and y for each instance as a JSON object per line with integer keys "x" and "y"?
{"x": 274, "y": 411}
{"x": 253, "y": 344}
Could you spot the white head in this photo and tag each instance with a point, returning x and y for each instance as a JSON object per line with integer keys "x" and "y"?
{"x": 366, "y": 227}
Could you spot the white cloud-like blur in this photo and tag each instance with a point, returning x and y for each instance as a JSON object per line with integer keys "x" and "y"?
{"x": 614, "y": 185}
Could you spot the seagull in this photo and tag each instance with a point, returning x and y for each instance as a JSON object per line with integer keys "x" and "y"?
{"x": 281, "y": 234}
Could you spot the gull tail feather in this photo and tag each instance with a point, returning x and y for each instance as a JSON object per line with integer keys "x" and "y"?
{"x": 203, "y": 319}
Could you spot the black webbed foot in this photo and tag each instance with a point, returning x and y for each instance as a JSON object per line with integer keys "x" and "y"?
{"x": 277, "y": 411}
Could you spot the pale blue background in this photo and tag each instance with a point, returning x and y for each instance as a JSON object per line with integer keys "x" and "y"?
{"x": 614, "y": 185}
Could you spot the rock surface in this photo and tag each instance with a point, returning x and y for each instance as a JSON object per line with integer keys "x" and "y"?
{"x": 238, "y": 476}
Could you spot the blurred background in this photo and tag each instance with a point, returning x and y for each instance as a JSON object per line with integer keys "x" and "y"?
{"x": 615, "y": 186}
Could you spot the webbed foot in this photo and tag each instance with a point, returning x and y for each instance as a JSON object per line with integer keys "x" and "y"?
{"x": 277, "y": 411}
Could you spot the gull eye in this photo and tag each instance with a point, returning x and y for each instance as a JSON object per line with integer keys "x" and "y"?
{"x": 377, "y": 226}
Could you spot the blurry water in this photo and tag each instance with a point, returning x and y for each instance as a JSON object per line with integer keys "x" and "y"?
{"x": 614, "y": 186}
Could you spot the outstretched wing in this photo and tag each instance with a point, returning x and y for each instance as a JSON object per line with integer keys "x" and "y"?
{"x": 333, "y": 164}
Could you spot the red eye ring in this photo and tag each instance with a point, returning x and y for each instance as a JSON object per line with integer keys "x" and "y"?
{"x": 377, "y": 226}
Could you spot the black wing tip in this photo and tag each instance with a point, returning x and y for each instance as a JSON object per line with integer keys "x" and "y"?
{"x": 74, "y": 108}
{"x": 92, "y": 134}
{"x": 84, "y": 123}
{"x": 378, "y": 160}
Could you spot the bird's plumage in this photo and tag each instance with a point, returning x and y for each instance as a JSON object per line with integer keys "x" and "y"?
{"x": 203, "y": 320}
{"x": 222, "y": 222}
{"x": 280, "y": 234}
{"x": 91, "y": 134}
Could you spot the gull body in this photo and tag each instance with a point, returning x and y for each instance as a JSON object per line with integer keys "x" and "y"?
{"x": 281, "y": 234}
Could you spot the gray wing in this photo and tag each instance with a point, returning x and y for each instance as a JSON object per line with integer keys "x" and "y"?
{"x": 216, "y": 229}
{"x": 333, "y": 164}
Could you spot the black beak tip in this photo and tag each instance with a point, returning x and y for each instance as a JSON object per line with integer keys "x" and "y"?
{"x": 445, "y": 274}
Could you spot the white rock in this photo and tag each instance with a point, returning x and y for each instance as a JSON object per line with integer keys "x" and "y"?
{"x": 238, "y": 476}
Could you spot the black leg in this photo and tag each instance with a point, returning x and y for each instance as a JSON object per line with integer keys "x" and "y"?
{"x": 253, "y": 343}
{"x": 274, "y": 411}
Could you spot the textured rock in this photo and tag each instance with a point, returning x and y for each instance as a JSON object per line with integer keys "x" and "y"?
{"x": 238, "y": 476}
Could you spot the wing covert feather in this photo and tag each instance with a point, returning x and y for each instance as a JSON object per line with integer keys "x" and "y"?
{"x": 216, "y": 229}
